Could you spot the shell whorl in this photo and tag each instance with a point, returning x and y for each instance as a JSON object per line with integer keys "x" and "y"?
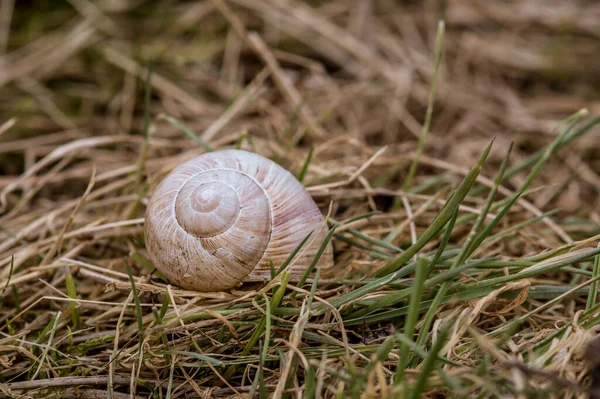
{"x": 219, "y": 218}
{"x": 206, "y": 209}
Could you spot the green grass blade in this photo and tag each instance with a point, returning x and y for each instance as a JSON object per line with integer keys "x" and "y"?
{"x": 392, "y": 299}
{"x": 439, "y": 46}
{"x": 170, "y": 383}
{"x": 537, "y": 168}
{"x": 546, "y": 266}
{"x": 472, "y": 241}
{"x": 306, "y": 164}
{"x": 471, "y": 238}
{"x": 443, "y": 243}
{"x": 310, "y": 382}
{"x": 591, "y": 300}
{"x": 160, "y": 315}
{"x": 367, "y": 238}
{"x": 519, "y": 226}
{"x": 293, "y": 254}
{"x": 382, "y": 353}
{"x": 147, "y": 99}
{"x": 375, "y": 253}
{"x": 315, "y": 260}
{"x": 260, "y": 381}
{"x": 411, "y": 318}
{"x": 533, "y": 159}
{"x": 138, "y": 306}
{"x": 199, "y": 356}
{"x": 488, "y": 229}
{"x": 275, "y": 301}
{"x": 184, "y": 129}
{"x": 72, "y": 293}
{"x": 42, "y": 360}
{"x": 148, "y": 266}
{"x": 440, "y": 221}
{"x": 430, "y": 361}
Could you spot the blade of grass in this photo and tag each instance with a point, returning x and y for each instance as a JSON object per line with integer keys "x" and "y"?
{"x": 264, "y": 352}
{"x": 443, "y": 243}
{"x": 430, "y": 361}
{"x": 545, "y": 266}
{"x": 591, "y": 300}
{"x": 538, "y": 309}
{"x": 382, "y": 353}
{"x": 392, "y": 235}
{"x": 375, "y": 253}
{"x": 475, "y": 237}
{"x": 411, "y": 318}
{"x": 310, "y": 373}
{"x": 48, "y": 344}
{"x": 536, "y": 292}
{"x": 466, "y": 250}
{"x": 322, "y": 248}
{"x": 519, "y": 226}
{"x": 200, "y": 356}
{"x": 275, "y": 301}
{"x": 292, "y": 254}
{"x": 366, "y": 237}
{"x": 72, "y": 293}
{"x": 138, "y": 306}
{"x": 160, "y": 315}
{"x": 310, "y": 382}
{"x": 10, "y": 273}
{"x": 537, "y": 168}
{"x": 490, "y": 226}
{"x": 272, "y": 269}
{"x": 147, "y": 99}
{"x": 533, "y": 159}
{"x": 265, "y": 349}
{"x": 420, "y": 352}
{"x": 257, "y": 376}
{"x": 181, "y": 127}
{"x": 439, "y": 44}
{"x": 315, "y": 260}
{"x": 306, "y": 164}
{"x": 147, "y": 265}
{"x": 158, "y": 321}
{"x": 392, "y": 299}
{"x": 170, "y": 383}
{"x": 442, "y": 218}
{"x": 313, "y": 290}
{"x": 141, "y": 161}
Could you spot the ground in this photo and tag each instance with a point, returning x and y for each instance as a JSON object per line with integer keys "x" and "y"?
{"x": 452, "y": 146}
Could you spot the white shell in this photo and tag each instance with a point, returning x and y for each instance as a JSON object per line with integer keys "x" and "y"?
{"x": 219, "y": 218}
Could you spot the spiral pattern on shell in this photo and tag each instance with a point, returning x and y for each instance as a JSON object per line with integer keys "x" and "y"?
{"x": 217, "y": 219}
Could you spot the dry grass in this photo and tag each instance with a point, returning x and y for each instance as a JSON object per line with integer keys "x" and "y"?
{"x": 84, "y": 315}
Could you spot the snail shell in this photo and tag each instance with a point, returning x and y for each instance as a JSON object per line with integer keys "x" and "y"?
{"x": 217, "y": 219}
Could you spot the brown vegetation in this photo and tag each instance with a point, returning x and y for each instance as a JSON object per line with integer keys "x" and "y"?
{"x": 84, "y": 138}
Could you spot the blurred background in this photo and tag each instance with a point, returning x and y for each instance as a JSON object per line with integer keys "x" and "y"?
{"x": 344, "y": 76}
